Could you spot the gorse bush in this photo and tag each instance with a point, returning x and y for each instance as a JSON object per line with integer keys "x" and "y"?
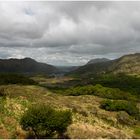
{"x": 115, "y": 105}
{"x": 44, "y": 121}
{"x": 124, "y": 82}
{"x": 99, "y": 90}
{"x": 6, "y": 78}
{"x": 112, "y": 93}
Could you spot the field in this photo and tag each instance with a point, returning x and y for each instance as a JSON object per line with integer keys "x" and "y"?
{"x": 89, "y": 120}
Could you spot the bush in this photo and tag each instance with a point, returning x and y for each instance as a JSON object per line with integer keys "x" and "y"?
{"x": 123, "y": 82}
{"x": 76, "y": 91}
{"x": 9, "y": 78}
{"x": 111, "y": 93}
{"x": 99, "y": 90}
{"x": 129, "y": 107}
{"x": 44, "y": 121}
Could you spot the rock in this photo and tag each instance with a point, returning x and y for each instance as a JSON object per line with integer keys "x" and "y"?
{"x": 125, "y": 119}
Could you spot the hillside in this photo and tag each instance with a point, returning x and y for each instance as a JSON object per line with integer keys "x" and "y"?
{"x": 91, "y": 69}
{"x": 98, "y": 60}
{"x": 26, "y": 65}
{"x": 127, "y": 64}
{"x": 89, "y": 120}
{"x": 107, "y": 106}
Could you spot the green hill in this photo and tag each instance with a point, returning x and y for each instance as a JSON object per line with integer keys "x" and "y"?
{"x": 26, "y": 66}
{"x": 127, "y": 64}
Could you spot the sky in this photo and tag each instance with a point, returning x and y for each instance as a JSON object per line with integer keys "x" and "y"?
{"x": 69, "y": 33}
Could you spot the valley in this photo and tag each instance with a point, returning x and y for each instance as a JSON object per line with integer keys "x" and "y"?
{"x": 69, "y": 69}
{"x": 103, "y": 105}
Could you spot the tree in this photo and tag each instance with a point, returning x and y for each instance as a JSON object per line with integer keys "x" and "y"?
{"x": 45, "y": 121}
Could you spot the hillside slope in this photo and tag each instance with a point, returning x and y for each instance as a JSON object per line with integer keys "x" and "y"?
{"x": 88, "y": 69}
{"x": 26, "y": 65}
{"x": 98, "y": 60}
{"x": 89, "y": 120}
{"x": 127, "y": 64}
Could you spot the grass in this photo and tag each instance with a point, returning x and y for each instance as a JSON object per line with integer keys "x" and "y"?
{"x": 11, "y": 111}
{"x": 46, "y": 80}
{"x": 88, "y": 131}
{"x": 137, "y": 131}
{"x": 85, "y": 104}
{"x": 89, "y": 120}
{"x": 30, "y": 92}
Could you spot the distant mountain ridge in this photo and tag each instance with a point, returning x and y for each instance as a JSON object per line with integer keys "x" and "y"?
{"x": 98, "y": 60}
{"x": 127, "y": 64}
{"x": 26, "y": 65}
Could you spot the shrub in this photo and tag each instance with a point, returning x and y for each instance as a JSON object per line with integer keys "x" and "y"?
{"x": 111, "y": 93}
{"x": 9, "y": 78}
{"x": 124, "y": 82}
{"x": 44, "y": 121}
{"x": 99, "y": 90}
{"x": 129, "y": 107}
{"x": 76, "y": 91}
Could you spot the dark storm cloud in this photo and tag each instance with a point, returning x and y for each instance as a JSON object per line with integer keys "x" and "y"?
{"x": 69, "y": 33}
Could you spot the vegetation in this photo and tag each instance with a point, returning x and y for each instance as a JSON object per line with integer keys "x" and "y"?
{"x": 129, "y": 107}
{"x": 125, "y": 119}
{"x": 3, "y": 93}
{"x": 87, "y": 119}
{"x": 137, "y": 131}
{"x": 7, "y": 78}
{"x": 44, "y": 121}
{"x": 127, "y": 64}
{"x": 110, "y": 86}
{"x": 98, "y": 90}
{"x": 95, "y": 105}
{"x": 123, "y": 82}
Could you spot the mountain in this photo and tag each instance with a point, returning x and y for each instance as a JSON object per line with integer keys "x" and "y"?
{"x": 98, "y": 60}
{"x": 93, "y": 68}
{"x": 26, "y": 65}
{"x": 128, "y": 64}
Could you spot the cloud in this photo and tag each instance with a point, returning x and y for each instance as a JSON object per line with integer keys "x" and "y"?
{"x": 69, "y": 33}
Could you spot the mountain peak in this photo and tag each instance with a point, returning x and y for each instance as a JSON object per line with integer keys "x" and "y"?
{"x": 28, "y": 59}
{"x": 127, "y": 64}
{"x": 97, "y": 60}
{"x": 25, "y": 65}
